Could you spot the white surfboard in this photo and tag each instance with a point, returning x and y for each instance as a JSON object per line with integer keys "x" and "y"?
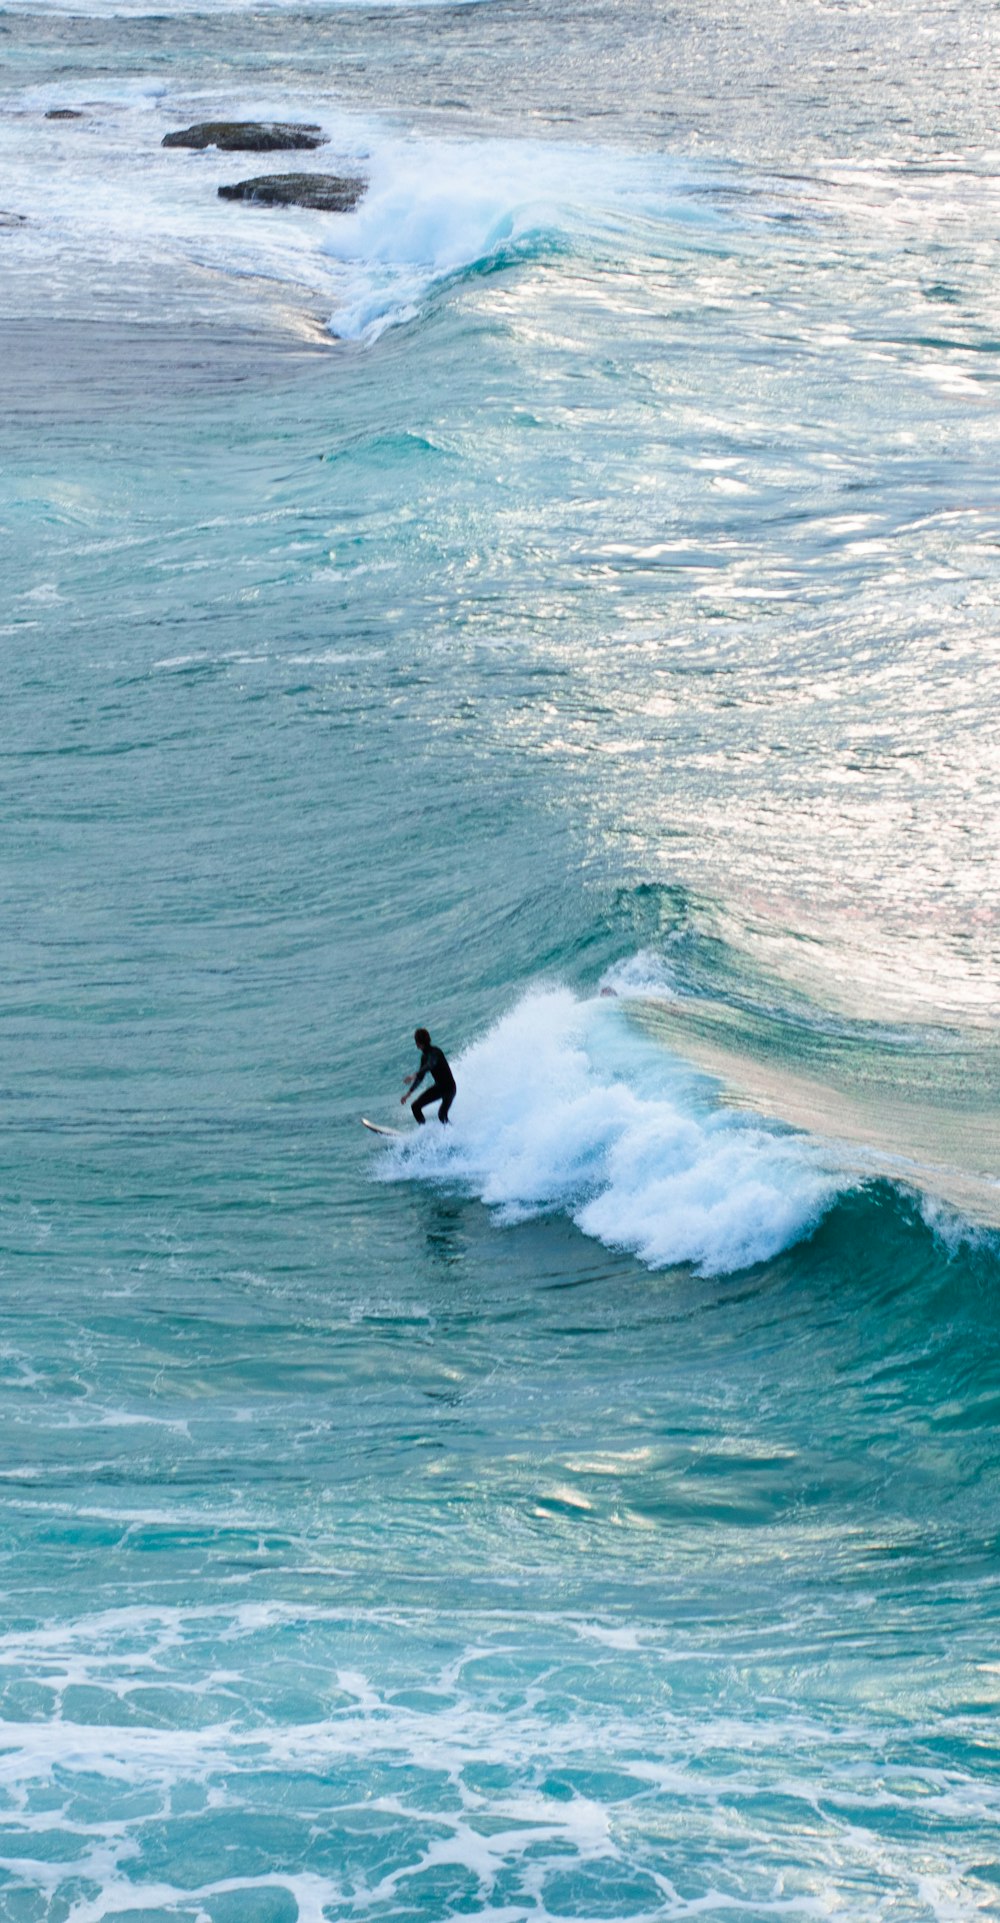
{"x": 377, "y": 1129}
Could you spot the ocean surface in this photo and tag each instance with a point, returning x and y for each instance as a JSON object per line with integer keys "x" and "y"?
{"x": 556, "y": 604}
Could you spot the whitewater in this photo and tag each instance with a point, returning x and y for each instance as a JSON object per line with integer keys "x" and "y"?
{"x": 552, "y": 603}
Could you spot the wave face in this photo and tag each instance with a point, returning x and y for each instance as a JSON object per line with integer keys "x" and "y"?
{"x": 561, "y": 1107}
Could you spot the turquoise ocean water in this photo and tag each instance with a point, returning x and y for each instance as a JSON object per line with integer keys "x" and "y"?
{"x": 574, "y": 571}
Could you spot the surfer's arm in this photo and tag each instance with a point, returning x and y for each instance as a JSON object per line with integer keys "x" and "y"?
{"x": 413, "y": 1082}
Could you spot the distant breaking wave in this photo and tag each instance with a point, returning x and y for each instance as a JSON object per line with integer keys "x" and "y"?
{"x": 438, "y": 210}
{"x": 435, "y": 211}
{"x": 145, "y": 9}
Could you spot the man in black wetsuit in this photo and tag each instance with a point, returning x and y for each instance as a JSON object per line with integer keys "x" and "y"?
{"x": 442, "y": 1088}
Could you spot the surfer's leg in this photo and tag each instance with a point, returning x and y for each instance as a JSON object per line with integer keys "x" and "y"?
{"x": 431, "y": 1095}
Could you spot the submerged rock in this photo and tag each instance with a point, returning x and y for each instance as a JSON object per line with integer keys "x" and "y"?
{"x": 247, "y": 136}
{"x": 63, "y": 113}
{"x": 331, "y": 193}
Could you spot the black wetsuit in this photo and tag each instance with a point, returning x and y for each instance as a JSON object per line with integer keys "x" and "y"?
{"x": 442, "y": 1089}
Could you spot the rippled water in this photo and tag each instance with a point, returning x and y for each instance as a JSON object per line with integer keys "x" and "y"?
{"x": 588, "y": 1511}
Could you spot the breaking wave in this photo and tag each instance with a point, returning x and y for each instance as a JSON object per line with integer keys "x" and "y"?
{"x": 562, "y": 1107}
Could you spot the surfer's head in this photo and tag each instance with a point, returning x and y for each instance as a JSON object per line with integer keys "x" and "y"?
{"x": 421, "y": 1038}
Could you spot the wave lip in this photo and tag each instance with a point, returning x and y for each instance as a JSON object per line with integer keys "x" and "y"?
{"x": 561, "y": 1108}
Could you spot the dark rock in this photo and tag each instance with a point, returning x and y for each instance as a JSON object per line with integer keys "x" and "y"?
{"x": 247, "y": 136}
{"x": 12, "y": 220}
{"x": 332, "y": 193}
{"x": 63, "y": 113}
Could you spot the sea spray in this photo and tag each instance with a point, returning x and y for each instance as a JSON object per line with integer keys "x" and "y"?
{"x": 437, "y": 210}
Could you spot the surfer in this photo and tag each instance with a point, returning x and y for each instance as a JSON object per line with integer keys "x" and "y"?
{"x": 433, "y": 1062}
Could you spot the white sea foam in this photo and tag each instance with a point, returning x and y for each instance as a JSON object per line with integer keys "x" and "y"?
{"x": 563, "y": 1107}
{"x": 520, "y": 1776}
